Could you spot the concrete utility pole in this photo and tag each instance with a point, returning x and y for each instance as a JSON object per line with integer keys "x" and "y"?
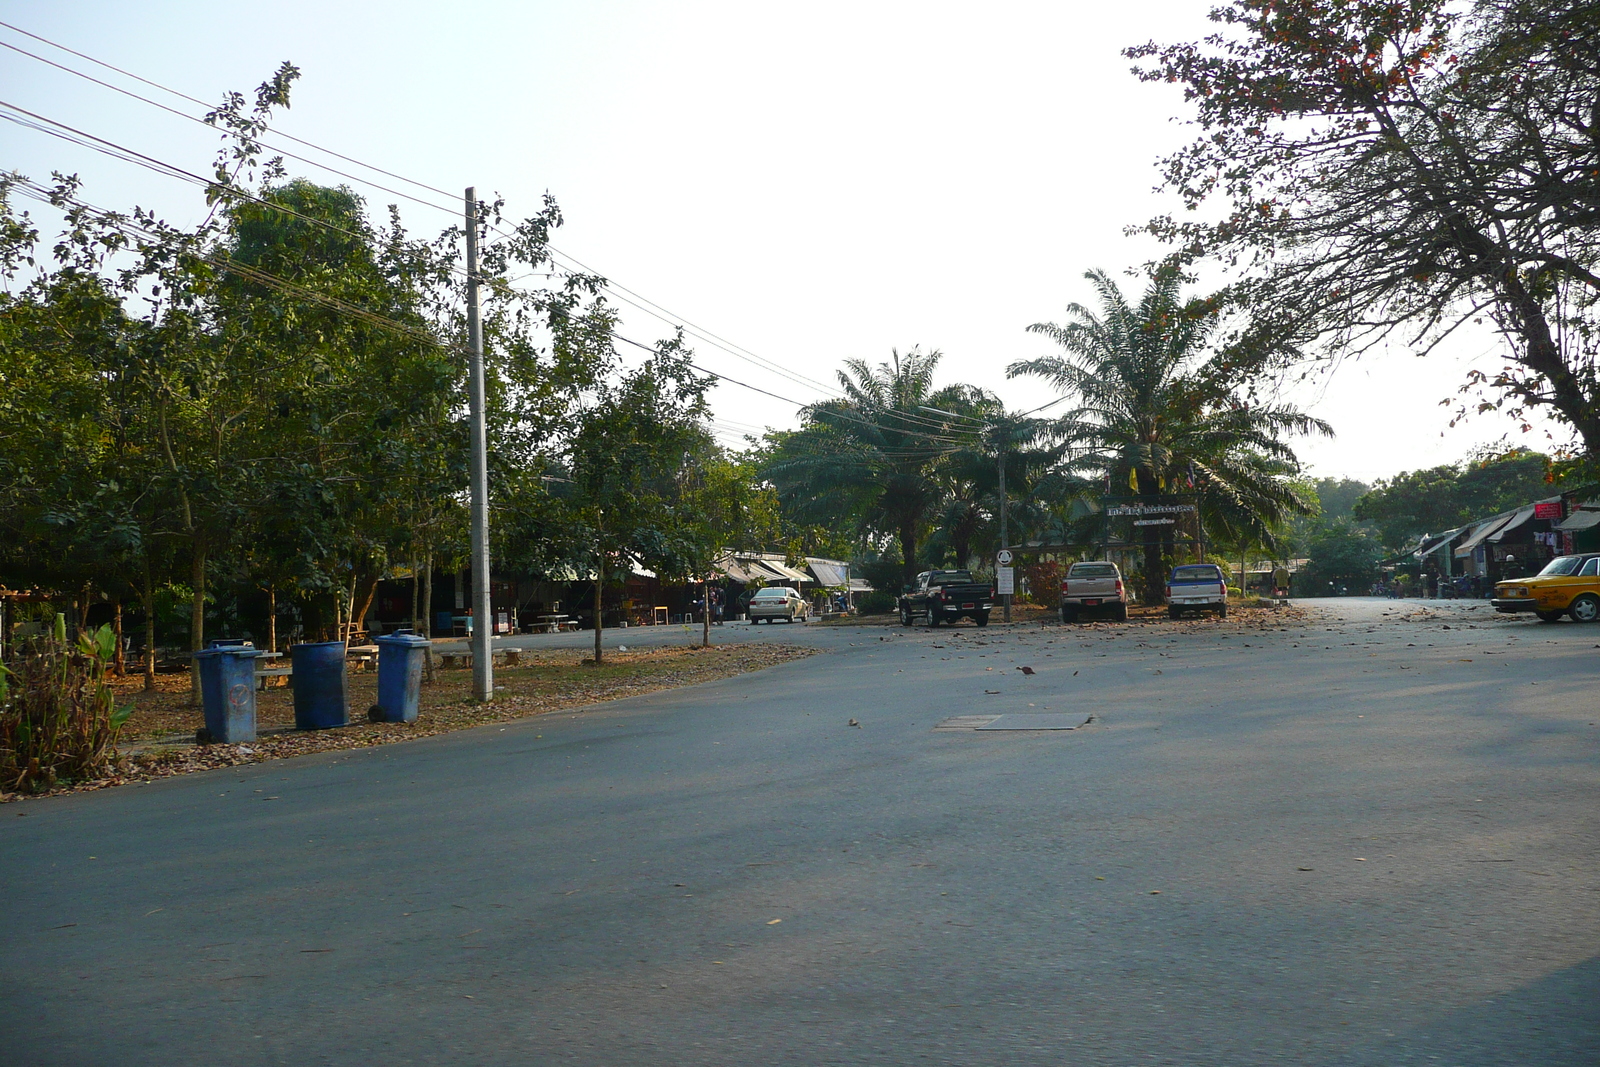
{"x": 1005, "y": 538}
{"x": 482, "y": 609}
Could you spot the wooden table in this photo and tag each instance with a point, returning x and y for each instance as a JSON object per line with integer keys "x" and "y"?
{"x": 551, "y": 623}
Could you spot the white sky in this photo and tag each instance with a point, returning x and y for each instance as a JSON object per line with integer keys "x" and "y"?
{"x": 811, "y": 182}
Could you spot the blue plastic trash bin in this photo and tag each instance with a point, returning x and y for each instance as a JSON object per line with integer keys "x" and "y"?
{"x": 400, "y": 659}
{"x": 319, "y": 685}
{"x": 228, "y": 691}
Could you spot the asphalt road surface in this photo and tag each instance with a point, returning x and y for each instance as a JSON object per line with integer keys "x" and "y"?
{"x": 1369, "y": 837}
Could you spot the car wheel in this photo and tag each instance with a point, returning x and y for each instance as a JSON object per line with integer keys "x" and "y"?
{"x": 1174, "y": 613}
{"x": 1121, "y": 613}
{"x": 1069, "y": 616}
{"x": 982, "y": 618}
{"x": 1222, "y": 612}
{"x": 905, "y": 616}
{"x": 1549, "y": 616}
{"x": 933, "y": 617}
{"x": 1586, "y": 608}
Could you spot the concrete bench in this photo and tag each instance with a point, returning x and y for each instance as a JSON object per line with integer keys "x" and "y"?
{"x": 508, "y": 657}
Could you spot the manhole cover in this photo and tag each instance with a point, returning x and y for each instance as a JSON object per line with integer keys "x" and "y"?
{"x": 966, "y": 722}
{"x": 1021, "y": 721}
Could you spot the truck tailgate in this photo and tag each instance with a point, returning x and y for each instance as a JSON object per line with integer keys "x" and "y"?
{"x": 1080, "y": 588}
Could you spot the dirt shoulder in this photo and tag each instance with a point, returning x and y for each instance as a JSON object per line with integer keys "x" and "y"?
{"x": 1254, "y": 607}
{"x": 158, "y": 740}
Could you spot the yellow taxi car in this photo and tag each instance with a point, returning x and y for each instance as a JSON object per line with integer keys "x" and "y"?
{"x": 1568, "y": 585}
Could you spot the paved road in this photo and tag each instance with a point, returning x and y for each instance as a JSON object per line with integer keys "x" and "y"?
{"x": 1369, "y": 838}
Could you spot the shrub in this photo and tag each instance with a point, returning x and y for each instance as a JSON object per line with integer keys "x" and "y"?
{"x": 876, "y": 602}
{"x": 58, "y": 717}
{"x": 1044, "y": 582}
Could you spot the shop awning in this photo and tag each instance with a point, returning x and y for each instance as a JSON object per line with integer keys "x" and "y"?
{"x": 742, "y": 570}
{"x": 1433, "y": 544}
{"x": 1516, "y": 520}
{"x": 830, "y": 573}
{"x": 1483, "y": 531}
{"x": 782, "y": 572}
{"x": 859, "y": 585}
{"x": 1584, "y": 518}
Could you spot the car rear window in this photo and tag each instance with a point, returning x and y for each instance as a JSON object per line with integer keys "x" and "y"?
{"x": 1196, "y": 573}
{"x": 1093, "y": 570}
{"x": 772, "y": 594}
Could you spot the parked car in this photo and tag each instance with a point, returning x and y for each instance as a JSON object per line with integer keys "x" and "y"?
{"x": 1568, "y": 585}
{"x": 945, "y": 596}
{"x": 1093, "y": 587}
{"x": 1197, "y": 587}
{"x": 778, "y": 602}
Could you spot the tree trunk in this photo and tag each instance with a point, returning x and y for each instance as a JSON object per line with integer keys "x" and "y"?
{"x": 416, "y": 624}
{"x": 1154, "y": 580}
{"x": 358, "y": 616}
{"x": 705, "y": 614}
{"x": 119, "y": 663}
{"x": 272, "y": 617}
{"x": 350, "y": 611}
{"x": 197, "y": 616}
{"x": 427, "y": 616}
{"x": 908, "y": 553}
{"x": 147, "y": 600}
{"x": 599, "y": 606}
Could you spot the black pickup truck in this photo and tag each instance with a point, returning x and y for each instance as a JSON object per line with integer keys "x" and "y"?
{"x": 946, "y": 595}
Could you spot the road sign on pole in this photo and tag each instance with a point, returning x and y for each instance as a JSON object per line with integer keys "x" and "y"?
{"x": 1004, "y": 557}
{"x": 1004, "y": 580}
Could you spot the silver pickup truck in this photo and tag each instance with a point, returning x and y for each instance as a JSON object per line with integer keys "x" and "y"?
{"x": 1093, "y": 587}
{"x": 1197, "y": 587}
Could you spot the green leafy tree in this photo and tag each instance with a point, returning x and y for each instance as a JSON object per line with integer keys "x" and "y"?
{"x": 1413, "y": 504}
{"x": 728, "y": 509}
{"x": 1336, "y": 497}
{"x": 1388, "y": 172}
{"x": 634, "y": 457}
{"x": 88, "y": 506}
{"x": 1343, "y": 558}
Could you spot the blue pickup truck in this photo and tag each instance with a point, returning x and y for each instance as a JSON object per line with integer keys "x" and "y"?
{"x": 1197, "y": 587}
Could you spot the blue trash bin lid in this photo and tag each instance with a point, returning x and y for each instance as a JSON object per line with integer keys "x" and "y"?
{"x": 403, "y": 639}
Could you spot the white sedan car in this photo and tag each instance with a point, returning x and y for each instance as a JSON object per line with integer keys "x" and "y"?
{"x": 778, "y": 602}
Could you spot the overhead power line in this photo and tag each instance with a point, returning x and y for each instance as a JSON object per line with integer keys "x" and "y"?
{"x": 202, "y": 103}
{"x": 273, "y": 281}
{"x": 623, "y": 293}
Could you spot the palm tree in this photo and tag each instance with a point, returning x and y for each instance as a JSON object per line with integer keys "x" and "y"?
{"x": 872, "y": 457}
{"x": 1152, "y": 411}
{"x": 968, "y": 516}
